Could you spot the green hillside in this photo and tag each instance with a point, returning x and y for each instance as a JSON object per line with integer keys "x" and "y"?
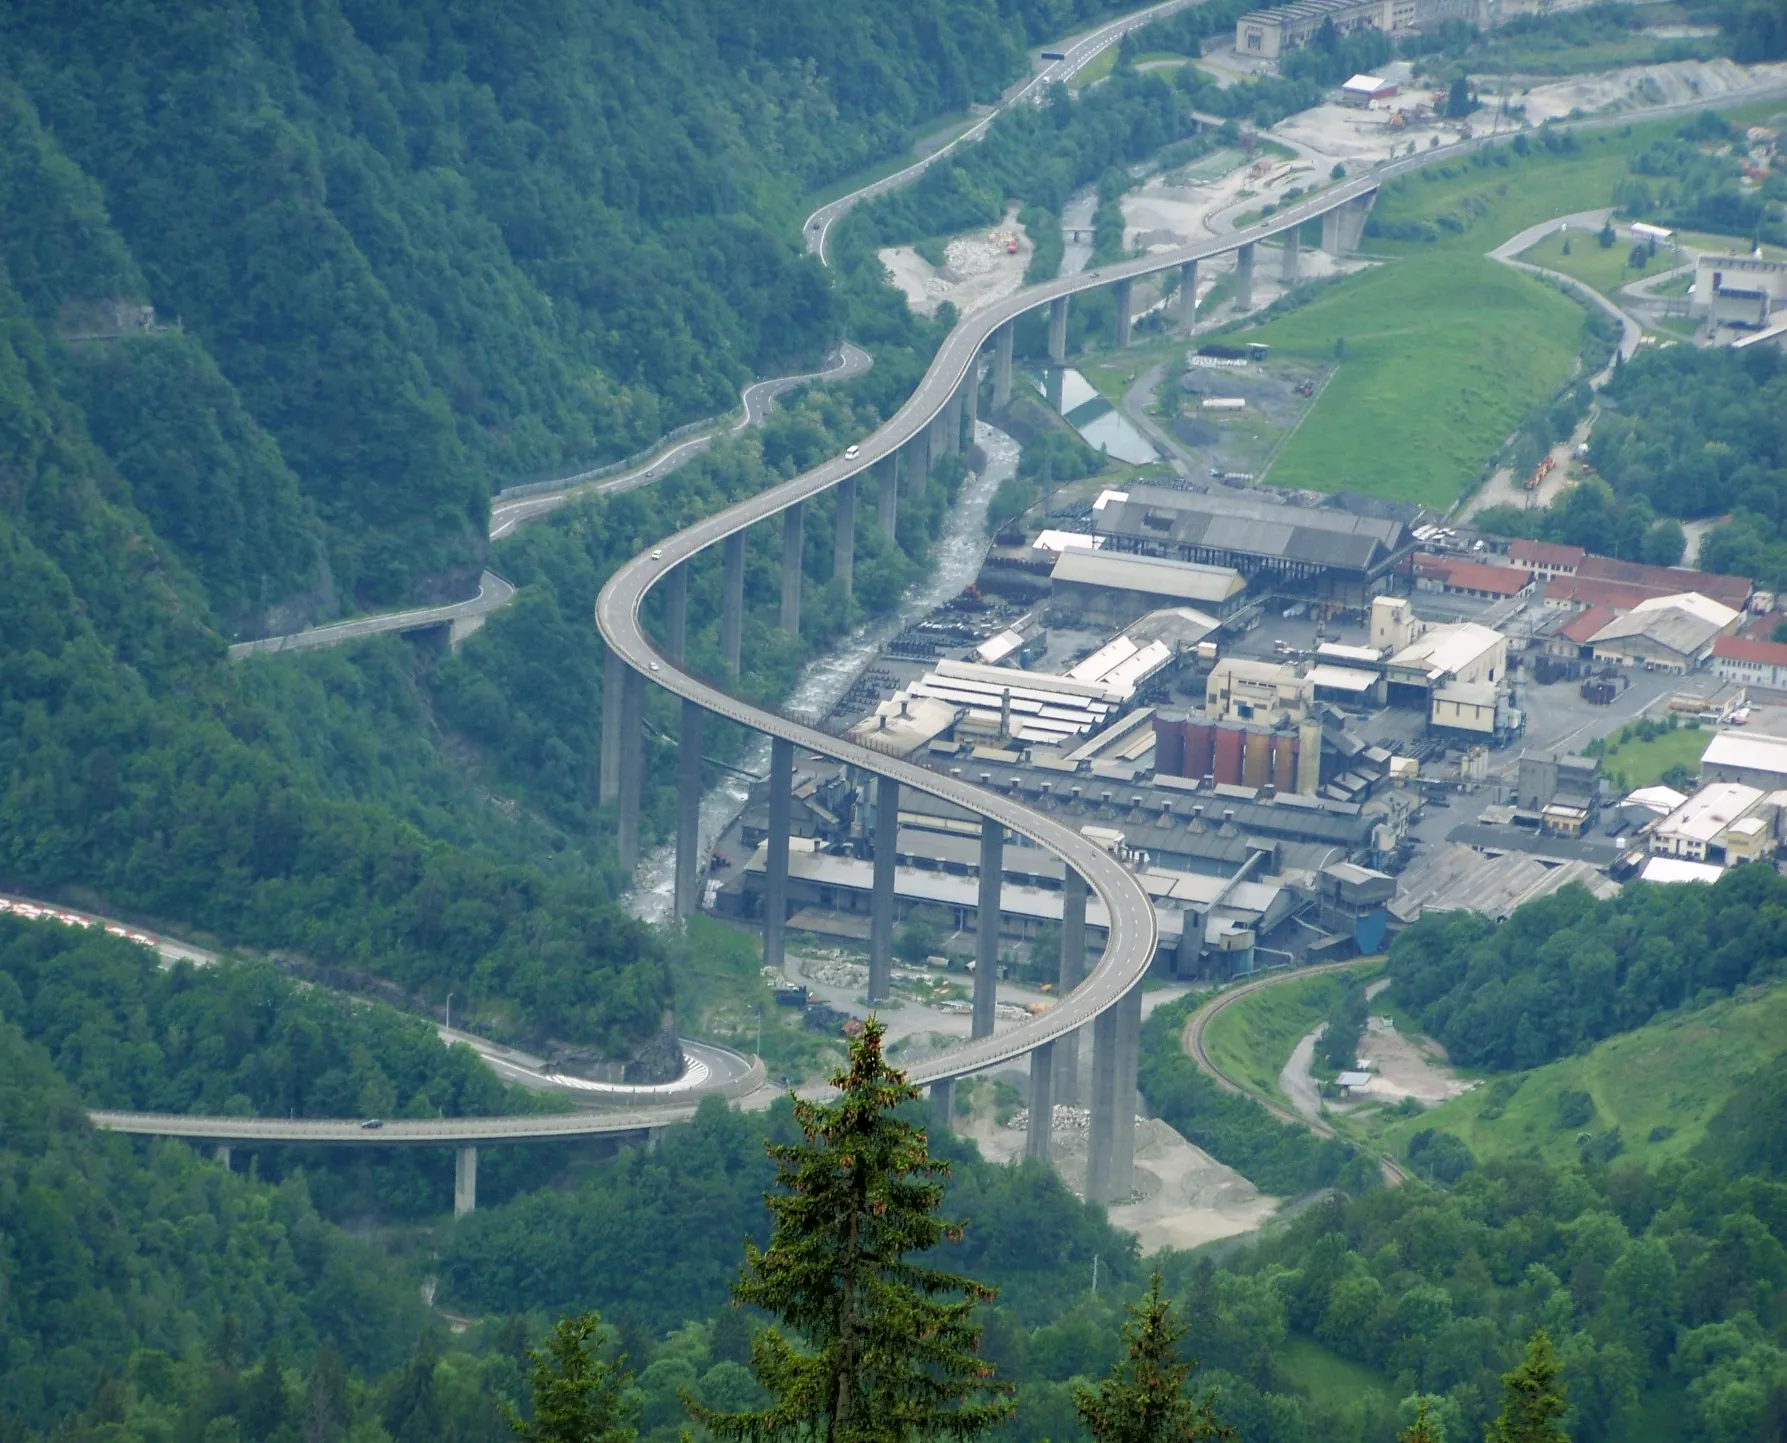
{"x": 1444, "y": 354}
{"x": 1658, "y": 1088}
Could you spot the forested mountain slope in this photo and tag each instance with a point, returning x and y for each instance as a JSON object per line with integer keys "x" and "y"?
{"x": 431, "y": 246}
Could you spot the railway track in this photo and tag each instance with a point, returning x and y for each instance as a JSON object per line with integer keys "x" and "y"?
{"x": 1193, "y": 1041}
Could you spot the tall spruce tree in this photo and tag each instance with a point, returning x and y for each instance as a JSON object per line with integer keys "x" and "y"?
{"x": 1142, "y": 1402}
{"x": 891, "y": 1349}
{"x": 577, "y": 1397}
{"x": 1422, "y": 1430}
{"x": 1532, "y": 1398}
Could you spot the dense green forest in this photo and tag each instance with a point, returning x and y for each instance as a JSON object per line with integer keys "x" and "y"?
{"x": 243, "y": 1039}
{"x": 1565, "y": 971}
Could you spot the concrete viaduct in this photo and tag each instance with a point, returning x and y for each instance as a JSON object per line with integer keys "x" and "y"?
{"x": 1107, "y": 999}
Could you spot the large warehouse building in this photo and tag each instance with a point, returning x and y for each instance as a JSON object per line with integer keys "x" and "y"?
{"x": 1327, "y": 552}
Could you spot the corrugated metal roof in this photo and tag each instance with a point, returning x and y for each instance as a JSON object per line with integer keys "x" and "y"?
{"x": 1156, "y": 576}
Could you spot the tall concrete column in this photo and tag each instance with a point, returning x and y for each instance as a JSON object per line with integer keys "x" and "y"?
{"x": 222, "y": 1154}
{"x": 1244, "y": 278}
{"x": 793, "y": 522}
{"x": 676, "y": 610}
{"x": 1073, "y": 972}
{"x": 775, "y": 874}
{"x": 614, "y": 680}
{"x": 948, "y": 427}
{"x": 1188, "y": 294}
{"x": 1002, "y": 339}
{"x": 1331, "y": 231}
{"x": 971, "y": 402}
{"x": 1052, "y": 384}
{"x": 1129, "y": 1042}
{"x": 1042, "y": 1103}
{"x": 943, "y": 1102}
{"x": 732, "y": 599}
{"x": 1124, "y": 293}
{"x": 843, "y": 545}
{"x": 1292, "y": 241}
{"x": 887, "y": 470}
{"x": 918, "y": 461}
{"x": 986, "y": 929}
{"x": 632, "y": 767}
{"x": 1099, "y": 1137}
{"x": 465, "y": 1181}
{"x": 1058, "y": 330}
{"x": 881, "y": 898}
{"x": 687, "y": 895}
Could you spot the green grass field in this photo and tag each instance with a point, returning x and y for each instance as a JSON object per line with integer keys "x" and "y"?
{"x": 1251, "y": 1040}
{"x": 1642, "y": 764}
{"x": 1445, "y": 355}
{"x": 1662, "y": 1082}
{"x": 1324, "y": 1374}
{"x": 1605, "y": 270}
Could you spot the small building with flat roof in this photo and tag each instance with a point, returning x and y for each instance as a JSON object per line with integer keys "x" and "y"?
{"x": 1748, "y": 757}
{"x": 1111, "y": 588}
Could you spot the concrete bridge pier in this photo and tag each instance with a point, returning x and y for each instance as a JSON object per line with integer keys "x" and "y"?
{"x": 1058, "y": 330}
{"x": 1129, "y": 1041}
{"x": 632, "y": 767}
{"x": 1073, "y": 972}
{"x": 222, "y": 1154}
{"x": 918, "y": 461}
{"x": 687, "y": 895}
{"x": 1188, "y": 294}
{"x": 971, "y": 402}
{"x": 1292, "y": 241}
{"x": 881, "y": 896}
{"x": 465, "y": 1181}
{"x": 1125, "y": 291}
{"x": 614, "y": 680}
{"x": 775, "y": 877}
{"x": 1042, "y": 1103}
{"x": 948, "y": 427}
{"x": 1344, "y": 226}
{"x": 732, "y": 599}
{"x": 1100, "y": 1140}
{"x": 1002, "y": 339}
{"x": 1244, "y": 278}
{"x": 887, "y": 472}
{"x": 986, "y": 927}
{"x": 843, "y": 545}
{"x": 793, "y": 523}
{"x": 676, "y": 611}
{"x": 943, "y": 1102}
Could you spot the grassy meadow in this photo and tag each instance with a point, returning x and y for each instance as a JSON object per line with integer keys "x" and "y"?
{"x": 1444, "y": 356}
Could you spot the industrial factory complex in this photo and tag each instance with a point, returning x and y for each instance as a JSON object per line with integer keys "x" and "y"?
{"x": 1302, "y": 721}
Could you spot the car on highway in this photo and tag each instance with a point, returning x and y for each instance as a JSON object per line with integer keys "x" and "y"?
{"x": 654, "y": 666}
{"x": 658, "y": 553}
{"x": 372, "y": 1123}
{"x": 851, "y": 452}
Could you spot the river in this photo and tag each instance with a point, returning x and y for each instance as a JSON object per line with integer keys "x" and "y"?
{"x": 959, "y": 553}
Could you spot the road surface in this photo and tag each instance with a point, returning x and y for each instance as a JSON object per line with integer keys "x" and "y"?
{"x": 1199, "y": 1022}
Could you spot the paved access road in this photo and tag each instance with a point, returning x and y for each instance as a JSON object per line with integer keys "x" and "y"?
{"x": 1199, "y": 1022}
{"x": 493, "y": 594}
{"x": 1079, "y": 53}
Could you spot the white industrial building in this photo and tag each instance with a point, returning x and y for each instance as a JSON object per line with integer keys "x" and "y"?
{"x": 1723, "y": 822}
{"x": 1748, "y": 757}
{"x": 1738, "y": 290}
{"x": 1665, "y": 633}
